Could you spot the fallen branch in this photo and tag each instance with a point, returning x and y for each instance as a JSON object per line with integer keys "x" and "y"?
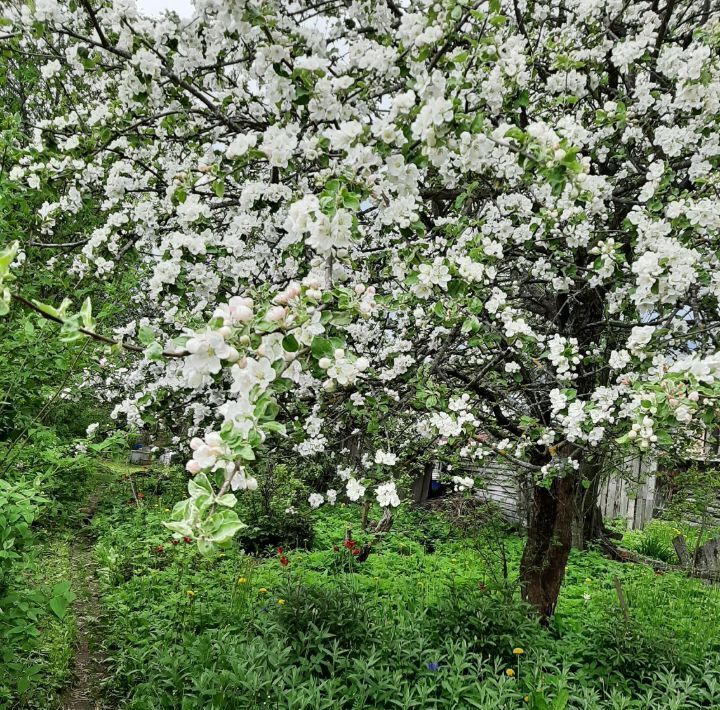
{"x": 659, "y": 566}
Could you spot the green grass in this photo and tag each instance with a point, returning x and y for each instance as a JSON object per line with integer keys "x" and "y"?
{"x": 655, "y": 540}
{"x": 37, "y": 646}
{"x": 428, "y": 621}
{"x": 41, "y": 648}
{"x": 241, "y": 631}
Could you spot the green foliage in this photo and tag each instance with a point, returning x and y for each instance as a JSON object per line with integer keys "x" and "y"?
{"x": 656, "y": 539}
{"x": 652, "y": 545}
{"x": 408, "y": 627}
{"x": 19, "y": 504}
{"x": 405, "y": 628}
{"x": 42, "y": 496}
{"x": 264, "y": 512}
{"x": 60, "y": 599}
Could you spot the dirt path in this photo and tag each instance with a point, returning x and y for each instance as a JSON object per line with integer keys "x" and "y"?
{"x": 88, "y": 661}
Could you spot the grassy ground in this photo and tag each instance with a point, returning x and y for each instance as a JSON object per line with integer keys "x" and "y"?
{"x": 45, "y": 641}
{"x": 430, "y": 619}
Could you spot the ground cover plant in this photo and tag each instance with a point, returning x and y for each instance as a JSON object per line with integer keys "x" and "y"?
{"x": 312, "y": 627}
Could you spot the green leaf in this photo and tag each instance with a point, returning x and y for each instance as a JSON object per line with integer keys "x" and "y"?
{"x": 228, "y": 500}
{"x": 290, "y": 344}
{"x": 275, "y": 427}
{"x": 86, "y": 313}
{"x": 200, "y": 485}
{"x": 321, "y": 347}
{"x": 351, "y": 201}
{"x": 477, "y": 123}
{"x": 4, "y": 302}
{"x": 516, "y": 133}
{"x": 61, "y": 588}
{"x": 154, "y": 351}
{"x": 246, "y": 453}
{"x": 523, "y": 99}
{"x": 6, "y": 257}
{"x": 180, "y": 527}
{"x": 146, "y": 335}
{"x": 59, "y": 606}
{"x": 222, "y": 525}
{"x": 470, "y": 324}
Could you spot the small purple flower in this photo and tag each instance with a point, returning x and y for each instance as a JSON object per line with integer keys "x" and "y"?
{"x": 432, "y": 666}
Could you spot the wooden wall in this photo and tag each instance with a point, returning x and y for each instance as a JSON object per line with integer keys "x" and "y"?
{"x": 505, "y": 487}
{"x": 630, "y": 496}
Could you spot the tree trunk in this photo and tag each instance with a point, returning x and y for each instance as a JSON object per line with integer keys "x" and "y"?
{"x": 542, "y": 567}
{"x": 587, "y": 520}
{"x": 385, "y": 522}
{"x": 588, "y": 525}
{"x": 682, "y": 551}
{"x": 364, "y": 512}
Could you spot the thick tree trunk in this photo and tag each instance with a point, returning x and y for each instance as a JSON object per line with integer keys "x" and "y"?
{"x": 548, "y": 545}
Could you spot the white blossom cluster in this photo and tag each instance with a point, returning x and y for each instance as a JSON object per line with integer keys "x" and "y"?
{"x": 356, "y": 217}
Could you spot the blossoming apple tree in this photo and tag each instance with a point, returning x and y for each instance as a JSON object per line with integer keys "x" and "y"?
{"x": 446, "y": 229}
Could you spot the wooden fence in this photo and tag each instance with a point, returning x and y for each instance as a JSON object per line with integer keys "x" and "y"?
{"x": 631, "y": 495}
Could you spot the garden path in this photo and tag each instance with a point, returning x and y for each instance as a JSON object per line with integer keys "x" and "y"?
{"x": 88, "y": 661}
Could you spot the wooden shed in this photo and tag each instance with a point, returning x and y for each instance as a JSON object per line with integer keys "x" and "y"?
{"x": 630, "y": 495}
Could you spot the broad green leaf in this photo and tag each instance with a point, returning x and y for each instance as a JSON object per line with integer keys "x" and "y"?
{"x": 200, "y": 485}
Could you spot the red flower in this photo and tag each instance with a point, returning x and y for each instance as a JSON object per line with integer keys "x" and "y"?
{"x": 355, "y": 551}
{"x": 279, "y": 550}
{"x": 284, "y": 560}
{"x": 159, "y": 549}
{"x": 175, "y": 542}
{"x": 187, "y": 540}
{"x": 349, "y": 544}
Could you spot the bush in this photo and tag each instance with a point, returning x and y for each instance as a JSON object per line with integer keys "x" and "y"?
{"x": 266, "y": 513}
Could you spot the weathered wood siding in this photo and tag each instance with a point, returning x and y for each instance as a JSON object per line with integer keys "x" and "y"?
{"x": 504, "y": 486}
{"x": 630, "y": 495}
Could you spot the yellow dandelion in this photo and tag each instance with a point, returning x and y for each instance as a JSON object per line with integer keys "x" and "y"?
{"x": 509, "y": 672}
{"x": 262, "y": 590}
{"x": 281, "y": 602}
{"x": 588, "y": 580}
{"x": 190, "y": 593}
{"x": 527, "y": 698}
{"x": 518, "y": 651}
{"x": 242, "y": 580}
